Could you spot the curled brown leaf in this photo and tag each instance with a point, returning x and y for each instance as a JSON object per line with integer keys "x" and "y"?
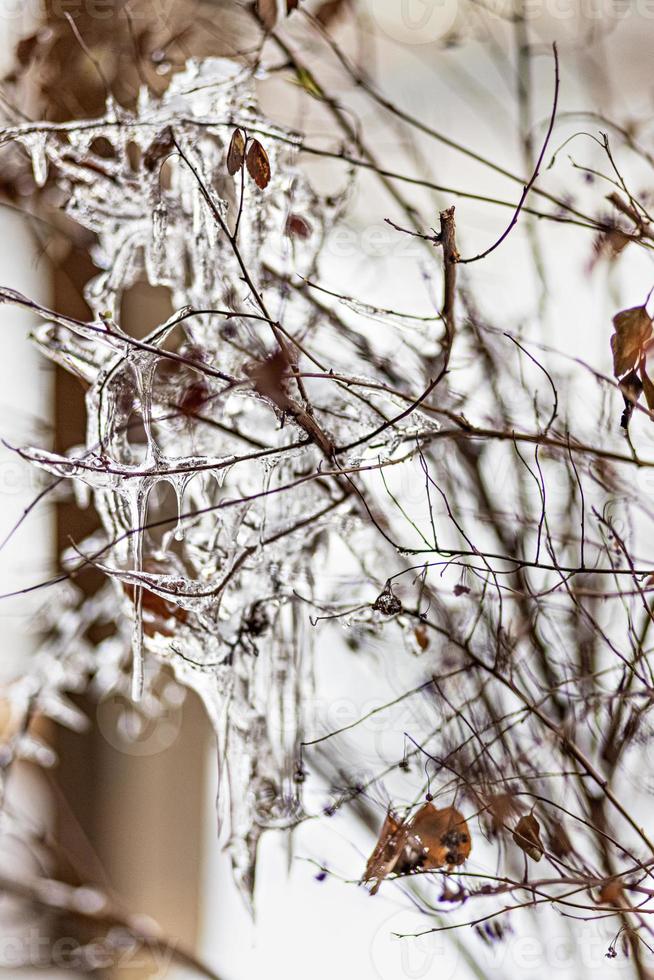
{"x": 559, "y": 842}
{"x": 26, "y": 49}
{"x": 258, "y": 164}
{"x": 267, "y": 11}
{"x": 527, "y": 836}
{"x": 633, "y": 328}
{"x": 161, "y": 147}
{"x": 236, "y": 152}
{"x": 432, "y": 839}
{"x": 298, "y": 227}
{"x": 422, "y": 637}
{"x": 648, "y": 386}
{"x": 443, "y": 834}
{"x": 387, "y": 852}
{"x": 631, "y": 387}
{"x": 611, "y": 894}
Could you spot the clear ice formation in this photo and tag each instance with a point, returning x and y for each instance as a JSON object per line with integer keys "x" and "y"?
{"x": 204, "y": 408}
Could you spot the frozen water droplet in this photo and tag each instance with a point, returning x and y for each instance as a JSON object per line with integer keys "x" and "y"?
{"x": 138, "y": 505}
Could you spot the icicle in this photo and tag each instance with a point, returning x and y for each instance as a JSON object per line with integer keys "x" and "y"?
{"x": 144, "y": 369}
{"x": 37, "y": 148}
{"x": 179, "y": 485}
{"x": 156, "y": 253}
{"x": 269, "y": 467}
{"x": 138, "y": 506}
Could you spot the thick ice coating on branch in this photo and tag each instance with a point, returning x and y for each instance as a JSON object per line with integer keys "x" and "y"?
{"x": 214, "y": 449}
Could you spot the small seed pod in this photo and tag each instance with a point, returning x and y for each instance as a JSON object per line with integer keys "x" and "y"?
{"x": 387, "y": 603}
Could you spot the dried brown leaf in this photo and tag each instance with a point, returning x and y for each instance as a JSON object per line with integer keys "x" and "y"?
{"x": 527, "y": 836}
{"x": 268, "y": 377}
{"x": 502, "y": 808}
{"x": 611, "y": 894}
{"x": 161, "y": 147}
{"x": 432, "y": 839}
{"x": 608, "y": 245}
{"x": 194, "y": 397}
{"x": 258, "y": 164}
{"x": 298, "y": 227}
{"x": 267, "y": 11}
{"x": 236, "y": 152}
{"x": 422, "y": 637}
{"x": 443, "y": 835}
{"x": 559, "y": 842}
{"x": 633, "y": 328}
{"x": 648, "y": 387}
{"x": 387, "y": 852}
{"x": 26, "y": 49}
{"x": 631, "y": 387}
